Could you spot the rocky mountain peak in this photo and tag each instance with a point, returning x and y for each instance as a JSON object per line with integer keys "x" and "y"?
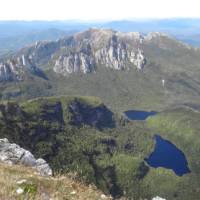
{"x": 101, "y": 47}
{"x": 83, "y": 52}
{"x": 153, "y": 35}
{"x": 95, "y": 32}
{"x": 130, "y": 35}
{"x": 98, "y": 35}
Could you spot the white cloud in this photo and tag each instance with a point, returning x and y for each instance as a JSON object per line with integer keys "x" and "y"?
{"x": 96, "y": 9}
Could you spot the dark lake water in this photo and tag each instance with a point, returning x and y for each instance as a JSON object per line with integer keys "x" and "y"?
{"x": 138, "y": 114}
{"x": 167, "y": 155}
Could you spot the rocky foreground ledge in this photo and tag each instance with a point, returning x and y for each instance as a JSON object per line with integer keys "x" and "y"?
{"x": 14, "y": 154}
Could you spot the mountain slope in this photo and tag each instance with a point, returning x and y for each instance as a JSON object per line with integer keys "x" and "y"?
{"x": 81, "y": 135}
{"x": 22, "y": 182}
{"x": 152, "y": 71}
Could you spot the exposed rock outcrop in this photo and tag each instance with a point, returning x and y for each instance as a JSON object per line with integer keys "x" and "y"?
{"x": 74, "y": 62}
{"x": 42, "y": 167}
{"x": 14, "y": 154}
{"x": 154, "y": 35}
{"x": 108, "y": 48}
{"x": 117, "y": 55}
{"x": 84, "y": 52}
{"x": 14, "y": 68}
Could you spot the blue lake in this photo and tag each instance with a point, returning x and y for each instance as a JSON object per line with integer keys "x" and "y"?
{"x": 167, "y": 155}
{"x": 138, "y": 114}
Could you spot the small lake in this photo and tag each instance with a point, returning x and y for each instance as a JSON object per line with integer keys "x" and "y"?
{"x": 167, "y": 155}
{"x": 138, "y": 114}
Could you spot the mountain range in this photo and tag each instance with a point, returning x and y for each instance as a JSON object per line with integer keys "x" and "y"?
{"x": 151, "y": 71}
{"x": 64, "y": 101}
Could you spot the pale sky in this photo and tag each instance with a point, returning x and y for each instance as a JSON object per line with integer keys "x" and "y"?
{"x": 97, "y": 9}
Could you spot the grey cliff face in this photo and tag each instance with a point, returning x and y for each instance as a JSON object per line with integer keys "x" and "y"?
{"x": 14, "y": 69}
{"x": 74, "y": 62}
{"x": 14, "y": 154}
{"x": 117, "y": 57}
{"x": 83, "y": 52}
{"x": 104, "y": 47}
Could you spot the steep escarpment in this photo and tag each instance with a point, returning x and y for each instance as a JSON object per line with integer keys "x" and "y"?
{"x": 97, "y": 116}
{"x": 18, "y": 67}
{"x": 37, "y": 119}
{"x": 77, "y": 111}
{"x": 90, "y": 50}
{"x": 26, "y": 61}
{"x": 101, "y": 47}
{"x": 14, "y": 69}
{"x": 83, "y": 52}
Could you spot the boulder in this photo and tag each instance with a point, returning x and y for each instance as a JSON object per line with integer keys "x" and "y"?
{"x": 14, "y": 154}
{"x": 43, "y": 167}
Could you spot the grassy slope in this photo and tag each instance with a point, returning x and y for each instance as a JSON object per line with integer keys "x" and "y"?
{"x": 119, "y": 90}
{"x": 37, "y": 187}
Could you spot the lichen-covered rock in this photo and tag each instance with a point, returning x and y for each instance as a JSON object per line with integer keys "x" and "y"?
{"x": 14, "y": 154}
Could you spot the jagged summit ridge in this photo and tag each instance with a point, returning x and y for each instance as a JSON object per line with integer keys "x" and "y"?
{"x": 101, "y": 47}
{"x": 82, "y": 52}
